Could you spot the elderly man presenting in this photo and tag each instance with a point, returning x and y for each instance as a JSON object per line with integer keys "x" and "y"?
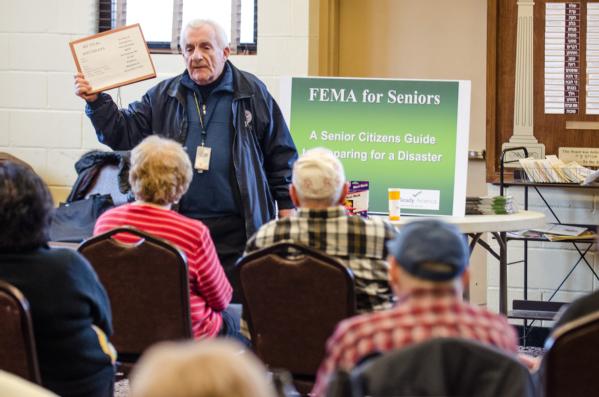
{"x": 231, "y": 128}
{"x": 318, "y": 189}
{"x": 428, "y": 268}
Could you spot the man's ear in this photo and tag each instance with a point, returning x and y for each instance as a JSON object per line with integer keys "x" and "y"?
{"x": 226, "y": 52}
{"x": 293, "y": 195}
{"x": 344, "y": 192}
{"x": 393, "y": 274}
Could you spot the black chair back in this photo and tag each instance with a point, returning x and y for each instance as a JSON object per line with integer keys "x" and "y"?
{"x": 293, "y": 297}
{"x": 17, "y": 344}
{"x": 570, "y": 365}
{"x": 148, "y": 287}
{"x": 438, "y": 367}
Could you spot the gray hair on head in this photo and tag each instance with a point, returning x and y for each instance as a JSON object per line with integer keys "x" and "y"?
{"x": 318, "y": 175}
{"x": 221, "y": 36}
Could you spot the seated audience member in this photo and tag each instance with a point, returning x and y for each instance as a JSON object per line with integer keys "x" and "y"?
{"x": 160, "y": 174}
{"x": 210, "y": 368}
{"x": 428, "y": 268}
{"x": 69, "y": 307}
{"x": 318, "y": 189}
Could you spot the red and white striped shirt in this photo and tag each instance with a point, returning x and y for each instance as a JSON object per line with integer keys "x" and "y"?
{"x": 209, "y": 289}
{"x": 421, "y": 315}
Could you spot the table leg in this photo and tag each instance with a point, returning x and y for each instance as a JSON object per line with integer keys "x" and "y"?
{"x": 474, "y": 240}
{"x": 501, "y": 241}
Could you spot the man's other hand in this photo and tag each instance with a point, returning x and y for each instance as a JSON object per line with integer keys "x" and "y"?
{"x": 82, "y": 88}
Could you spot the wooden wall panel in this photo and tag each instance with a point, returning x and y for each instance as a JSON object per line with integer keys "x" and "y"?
{"x": 549, "y": 129}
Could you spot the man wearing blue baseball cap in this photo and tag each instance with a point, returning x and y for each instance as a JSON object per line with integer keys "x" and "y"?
{"x": 428, "y": 269}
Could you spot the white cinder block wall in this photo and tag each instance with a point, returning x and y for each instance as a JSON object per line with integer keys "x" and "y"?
{"x": 42, "y": 121}
{"x": 548, "y": 263}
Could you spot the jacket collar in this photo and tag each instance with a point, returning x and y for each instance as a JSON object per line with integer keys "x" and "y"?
{"x": 224, "y": 84}
{"x": 241, "y": 85}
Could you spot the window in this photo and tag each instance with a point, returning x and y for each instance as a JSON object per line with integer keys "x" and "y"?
{"x": 162, "y": 21}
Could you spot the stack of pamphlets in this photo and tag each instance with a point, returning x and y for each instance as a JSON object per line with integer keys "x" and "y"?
{"x": 553, "y": 170}
{"x": 490, "y": 205}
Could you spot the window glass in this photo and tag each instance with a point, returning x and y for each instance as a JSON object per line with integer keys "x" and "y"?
{"x": 247, "y": 22}
{"x": 156, "y": 21}
{"x": 219, "y": 11}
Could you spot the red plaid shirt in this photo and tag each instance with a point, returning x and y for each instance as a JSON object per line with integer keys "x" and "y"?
{"x": 417, "y": 317}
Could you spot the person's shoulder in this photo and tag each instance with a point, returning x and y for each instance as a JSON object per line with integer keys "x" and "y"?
{"x": 61, "y": 255}
{"x": 375, "y": 224}
{"x": 247, "y": 75}
{"x": 360, "y": 324}
{"x": 116, "y": 210}
{"x": 166, "y": 84}
{"x": 67, "y": 261}
{"x": 187, "y": 223}
{"x": 249, "y": 78}
{"x": 382, "y": 222}
{"x": 110, "y": 213}
{"x": 185, "y": 220}
{"x": 377, "y": 221}
{"x": 266, "y": 235}
{"x": 272, "y": 225}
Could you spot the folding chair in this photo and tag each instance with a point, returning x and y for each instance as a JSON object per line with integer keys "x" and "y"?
{"x": 570, "y": 365}
{"x": 148, "y": 287}
{"x": 293, "y": 297}
{"x": 438, "y": 367}
{"x": 17, "y": 344}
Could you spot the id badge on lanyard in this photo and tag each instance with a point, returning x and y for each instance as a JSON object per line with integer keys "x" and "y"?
{"x": 203, "y": 153}
{"x": 202, "y": 162}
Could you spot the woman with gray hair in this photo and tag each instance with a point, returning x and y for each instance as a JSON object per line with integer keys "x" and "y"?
{"x": 205, "y": 369}
{"x": 160, "y": 174}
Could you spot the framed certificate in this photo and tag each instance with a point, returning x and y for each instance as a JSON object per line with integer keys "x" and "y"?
{"x": 113, "y": 58}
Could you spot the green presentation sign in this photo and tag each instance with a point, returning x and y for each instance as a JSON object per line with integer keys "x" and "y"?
{"x": 407, "y": 134}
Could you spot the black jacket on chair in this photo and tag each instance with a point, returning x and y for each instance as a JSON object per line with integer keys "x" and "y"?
{"x": 439, "y": 367}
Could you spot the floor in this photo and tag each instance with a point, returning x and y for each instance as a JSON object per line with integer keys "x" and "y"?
{"x": 121, "y": 388}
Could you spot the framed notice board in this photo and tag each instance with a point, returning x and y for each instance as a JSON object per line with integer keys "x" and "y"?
{"x": 563, "y": 89}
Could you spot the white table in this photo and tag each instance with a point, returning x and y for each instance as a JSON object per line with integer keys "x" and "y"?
{"x": 475, "y": 225}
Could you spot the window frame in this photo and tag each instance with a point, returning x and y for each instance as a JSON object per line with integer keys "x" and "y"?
{"x": 109, "y": 13}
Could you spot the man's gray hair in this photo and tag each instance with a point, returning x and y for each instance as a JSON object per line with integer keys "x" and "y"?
{"x": 318, "y": 176}
{"x": 221, "y": 36}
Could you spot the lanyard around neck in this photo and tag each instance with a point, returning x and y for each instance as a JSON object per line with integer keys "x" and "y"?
{"x": 201, "y": 115}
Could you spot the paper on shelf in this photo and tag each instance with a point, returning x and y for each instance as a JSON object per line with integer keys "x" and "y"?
{"x": 563, "y": 230}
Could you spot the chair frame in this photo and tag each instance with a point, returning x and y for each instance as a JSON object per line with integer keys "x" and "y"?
{"x": 571, "y": 326}
{"x": 146, "y": 237}
{"x": 564, "y": 331}
{"x": 22, "y": 305}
